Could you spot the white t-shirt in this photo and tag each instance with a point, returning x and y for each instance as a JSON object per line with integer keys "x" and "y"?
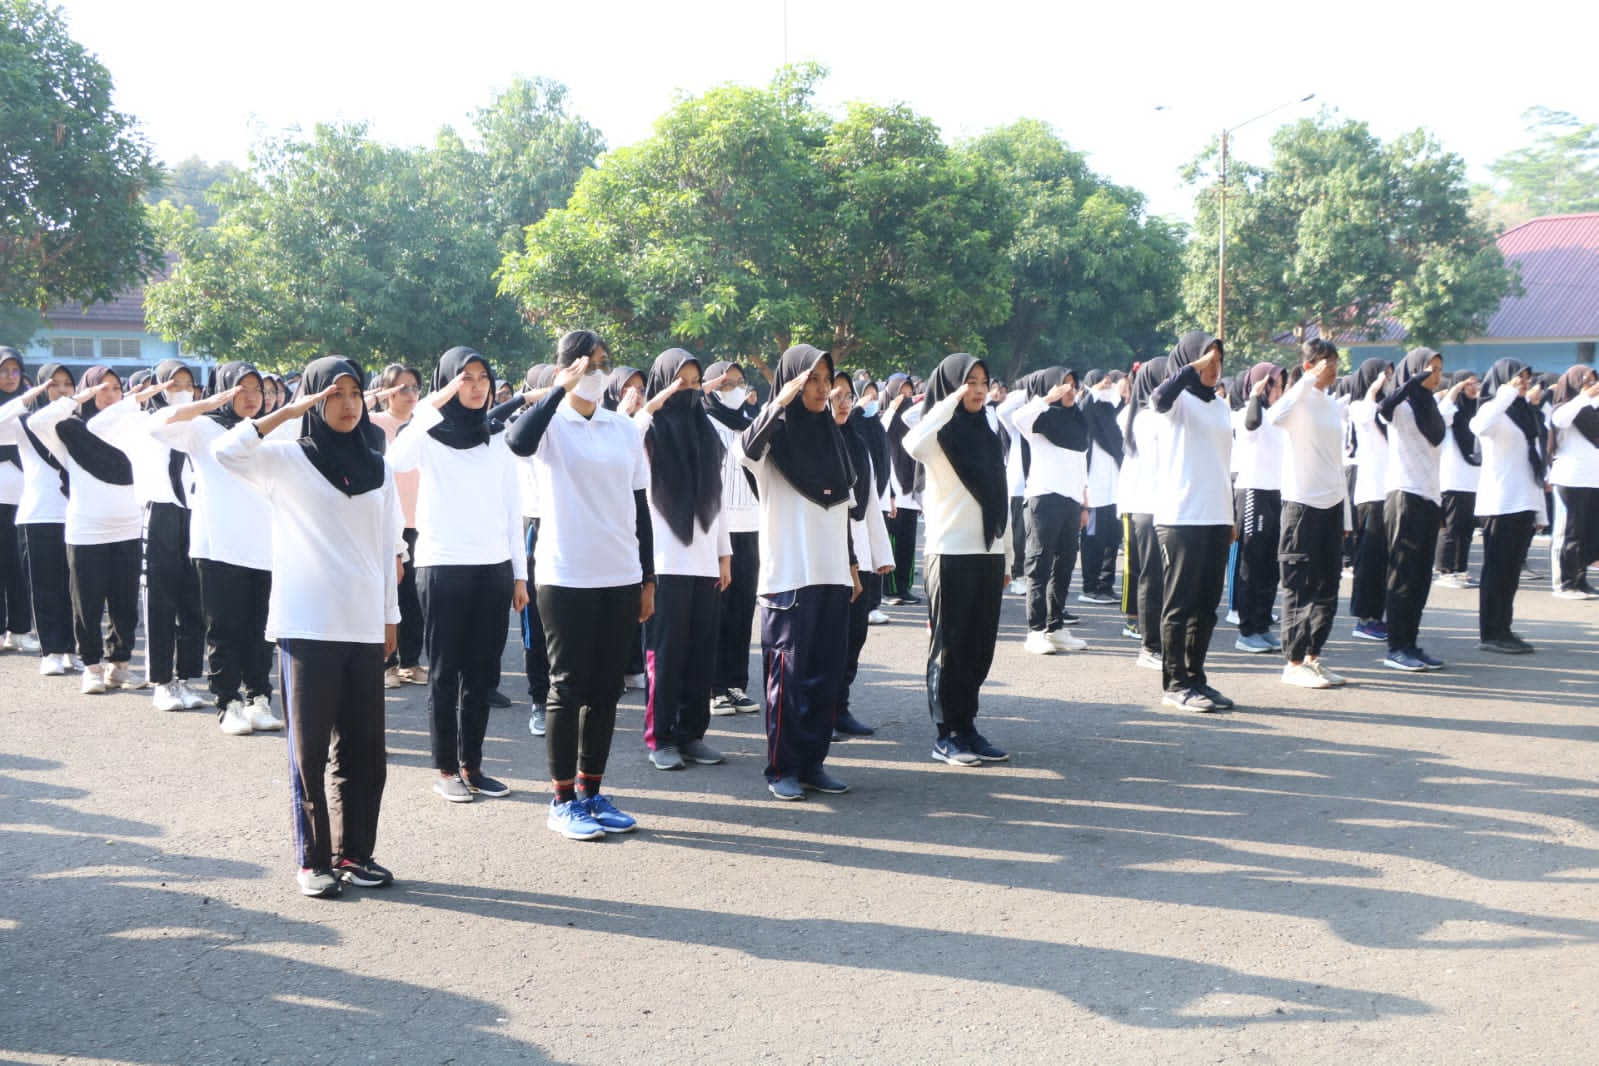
{"x": 230, "y": 521}
{"x": 1192, "y": 474}
{"x": 41, "y": 502}
{"x": 803, "y": 544}
{"x": 333, "y": 556}
{"x": 1258, "y": 453}
{"x": 1508, "y": 485}
{"x": 1455, "y": 474}
{"x": 954, "y": 517}
{"x": 1371, "y": 453}
{"x": 1576, "y": 462}
{"x": 1052, "y": 469}
{"x": 1412, "y": 460}
{"x": 96, "y": 512}
{"x": 1311, "y": 422}
{"x": 701, "y": 556}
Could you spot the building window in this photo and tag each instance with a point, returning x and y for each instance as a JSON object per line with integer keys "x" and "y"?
{"x": 1585, "y": 351}
{"x": 72, "y": 347}
{"x": 120, "y": 350}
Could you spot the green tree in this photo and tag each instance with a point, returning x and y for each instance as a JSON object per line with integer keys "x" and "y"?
{"x": 339, "y": 243}
{"x": 72, "y": 225}
{"x": 187, "y": 184}
{"x": 1558, "y": 174}
{"x": 1092, "y": 279}
{"x": 1342, "y": 232}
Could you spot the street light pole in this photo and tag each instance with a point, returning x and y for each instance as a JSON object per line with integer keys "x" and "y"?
{"x": 1221, "y": 228}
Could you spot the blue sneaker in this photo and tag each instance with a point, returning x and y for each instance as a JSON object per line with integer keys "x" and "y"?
{"x": 1437, "y": 664}
{"x": 819, "y": 780}
{"x": 1255, "y": 643}
{"x": 955, "y": 750}
{"x": 1406, "y": 660}
{"x": 983, "y": 749}
{"x": 573, "y": 821}
{"x": 787, "y": 787}
{"x": 604, "y": 813}
{"x": 1370, "y": 631}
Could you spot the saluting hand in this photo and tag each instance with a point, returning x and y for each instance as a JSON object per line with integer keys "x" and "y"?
{"x": 445, "y": 395}
{"x": 143, "y": 394}
{"x": 1064, "y": 394}
{"x": 791, "y": 391}
{"x": 567, "y": 377}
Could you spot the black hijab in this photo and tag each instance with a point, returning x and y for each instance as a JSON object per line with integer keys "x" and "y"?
{"x": 227, "y": 376}
{"x": 1503, "y": 374}
{"x": 46, "y": 373}
{"x": 1423, "y": 405}
{"x": 1190, "y": 348}
{"x": 1570, "y": 388}
{"x": 1145, "y": 382}
{"x": 462, "y": 428}
{"x": 971, "y": 445}
{"x": 1460, "y": 424}
{"x": 860, "y": 456}
{"x": 876, "y": 437}
{"x": 99, "y": 458}
{"x": 685, "y": 453}
{"x": 1101, "y": 414}
{"x": 346, "y": 460}
{"x": 904, "y": 465}
{"x": 1064, "y": 427}
{"x": 807, "y": 447}
{"x": 616, "y": 385}
{"x": 736, "y": 419}
{"x": 1360, "y": 383}
{"x": 8, "y": 452}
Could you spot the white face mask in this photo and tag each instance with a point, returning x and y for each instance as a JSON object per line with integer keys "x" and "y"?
{"x": 734, "y": 397}
{"x": 590, "y": 387}
{"x": 177, "y": 397}
{"x": 869, "y": 408}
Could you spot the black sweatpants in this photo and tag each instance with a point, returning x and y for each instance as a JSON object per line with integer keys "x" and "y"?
{"x": 1194, "y": 564}
{"x": 463, "y": 629}
{"x": 333, "y": 718}
{"x": 44, "y": 548}
{"x": 235, "y": 600}
{"x": 1146, "y": 578}
{"x": 1311, "y": 559}
{"x": 408, "y": 649}
{"x": 804, "y": 643}
{"x": 1053, "y": 525}
{"x": 902, "y": 534}
{"x": 1412, "y": 525}
{"x": 738, "y": 616}
{"x": 535, "y": 656}
{"x": 1368, "y": 591}
{"x": 1255, "y": 579}
{"x": 105, "y": 582}
{"x": 1099, "y": 551}
{"x": 1578, "y": 544}
{"x": 590, "y": 634}
{"x": 174, "y": 623}
{"x": 869, "y": 600}
{"x": 1505, "y": 540}
{"x": 1018, "y": 538}
{"x": 679, "y": 640}
{"x": 1454, "y": 535}
{"x": 964, "y": 593}
{"x": 16, "y": 605}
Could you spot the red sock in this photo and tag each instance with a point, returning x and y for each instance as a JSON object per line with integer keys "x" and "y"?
{"x": 590, "y": 784}
{"x": 564, "y": 791}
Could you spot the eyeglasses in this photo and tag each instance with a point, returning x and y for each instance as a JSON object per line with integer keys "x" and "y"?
{"x": 410, "y": 390}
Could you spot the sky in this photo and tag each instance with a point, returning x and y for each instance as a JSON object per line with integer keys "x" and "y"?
{"x": 1141, "y": 88}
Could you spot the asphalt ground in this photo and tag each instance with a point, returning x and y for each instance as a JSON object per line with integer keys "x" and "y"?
{"x": 1405, "y": 870}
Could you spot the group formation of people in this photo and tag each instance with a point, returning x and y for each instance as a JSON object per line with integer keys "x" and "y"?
{"x": 636, "y": 518}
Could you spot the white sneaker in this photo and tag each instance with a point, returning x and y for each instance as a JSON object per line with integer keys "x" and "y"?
{"x": 192, "y": 700}
{"x": 52, "y": 665}
{"x": 7, "y": 642}
{"x": 262, "y": 720}
{"x": 1064, "y": 641}
{"x": 93, "y": 683}
{"x": 1326, "y": 675}
{"x": 26, "y": 642}
{"x": 167, "y": 697}
{"x": 1303, "y": 675}
{"x": 1149, "y": 660}
{"x": 1232, "y": 618}
{"x": 235, "y": 720}
{"x": 1018, "y": 587}
{"x": 1038, "y": 643}
{"x": 1571, "y": 594}
{"x": 391, "y": 677}
{"x": 119, "y": 676}
{"x": 874, "y": 617}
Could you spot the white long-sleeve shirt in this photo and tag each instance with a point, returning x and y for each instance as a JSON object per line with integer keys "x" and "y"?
{"x": 1413, "y": 464}
{"x": 229, "y": 520}
{"x": 1576, "y": 462}
{"x": 1258, "y": 454}
{"x": 1507, "y": 485}
{"x": 97, "y": 512}
{"x": 1455, "y": 474}
{"x": 1192, "y": 475}
{"x": 1311, "y": 422}
{"x": 1104, "y": 475}
{"x": 333, "y": 572}
{"x": 1371, "y": 453}
{"x": 953, "y": 516}
{"x": 467, "y": 503}
{"x": 739, "y": 505}
{"x": 803, "y": 544}
{"x": 42, "y": 502}
{"x": 1051, "y": 469}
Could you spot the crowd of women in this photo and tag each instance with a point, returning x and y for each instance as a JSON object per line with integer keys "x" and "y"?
{"x": 636, "y": 518}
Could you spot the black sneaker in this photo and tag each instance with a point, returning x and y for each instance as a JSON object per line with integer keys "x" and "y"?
{"x": 741, "y": 701}
{"x": 499, "y": 700}
{"x": 1068, "y": 619}
{"x": 1220, "y": 702}
{"x": 365, "y": 873}
{"x": 910, "y": 599}
{"x": 848, "y": 725}
{"x": 484, "y": 785}
{"x": 819, "y": 780}
{"x": 983, "y": 749}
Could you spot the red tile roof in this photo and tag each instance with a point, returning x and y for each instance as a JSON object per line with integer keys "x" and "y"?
{"x": 1559, "y": 261}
